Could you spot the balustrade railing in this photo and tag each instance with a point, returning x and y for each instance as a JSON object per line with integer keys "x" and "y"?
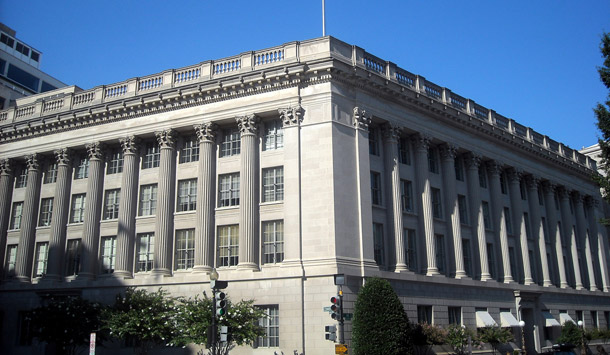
{"x": 150, "y": 83}
{"x": 115, "y": 91}
{"x": 53, "y": 105}
{"x": 83, "y": 98}
{"x": 25, "y": 111}
{"x": 268, "y": 57}
{"x": 373, "y": 63}
{"x": 433, "y": 90}
{"x": 480, "y": 111}
{"x": 226, "y": 66}
{"x": 186, "y": 75}
{"x": 405, "y": 78}
{"x": 458, "y": 102}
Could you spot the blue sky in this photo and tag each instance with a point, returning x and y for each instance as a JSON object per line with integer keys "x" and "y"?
{"x": 533, "y": 61}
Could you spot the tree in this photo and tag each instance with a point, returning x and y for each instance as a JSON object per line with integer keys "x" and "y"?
{"x": 458, "y": 337}
{"x": 570, "y": 334}
{"x": 602, "y": 112}
{"x": 66, "y": 323}
{"x": 380, "y": 324}
{"x": 495, "y": 336}
{"x": 426, "y": 335}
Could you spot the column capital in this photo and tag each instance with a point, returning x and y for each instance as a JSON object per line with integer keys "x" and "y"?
{"x": 550, "y": 186}
{"x": 421, "y": 141}
{"x": 166, "y": 138}
{"x": 472, "y": 160}
{"x": 532, "y": 181}
{"x": 514, "y": 174}
{"x": 494, "y": 167}
{"x": 391, "y": 132}
{"x": 248, "y": 124}
{"x": 33, "y": 161}
{"x": 563, "y": 192}
{"x": 95, "y": 150}
{"x": 6, "y": 166}
{"x": 448, "y": 151}
{"x": 206, "y": 132}
{"x": 63, "y": 156}
{"x": 130, "y": 144}
{"x": 362, "y": 119}
{"x": 578, "y": 197}
{"x": 291, "y": 116}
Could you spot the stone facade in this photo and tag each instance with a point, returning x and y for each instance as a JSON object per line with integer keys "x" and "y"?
{"x": 283, "y": 167}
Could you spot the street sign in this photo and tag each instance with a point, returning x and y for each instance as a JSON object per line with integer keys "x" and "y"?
{"x": 348, "y": 316}
{"x": 340, "y": 349}
{"x": 327, "y": 309}
{"x": 92, "y": 344}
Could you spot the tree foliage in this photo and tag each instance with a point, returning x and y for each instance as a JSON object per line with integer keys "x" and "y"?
{"x": 570, "y": 334}
{"x": 495, "y": 336}
{"x": 602, "y": 112}
{"x": 380, "y": 324}
{"x": 425, "y": 335}
{"x": 457, "y": 338}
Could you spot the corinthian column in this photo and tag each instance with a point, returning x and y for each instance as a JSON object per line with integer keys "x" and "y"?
{"x": 554, "y": 231}
{"x": 164, "y": 220}
{"x": 426, "y": 222}
{"x": 476, "y": 211}
{"x": 538, "y": 228}
{"x": 568, "y": 228}
{"x": 248, "y": 205}
{"x": 27, "y": 238}
{"x": 127, "y": 208}
{"x": 392, "y": 169}
{"x": 599, "y": 231}
{"x": 93, "y": 208}
{"x": 448, "y": 153}
{"x": 581, "y": 228}
{"x": 206, "y": 181}
{"x": 6, "y": 195}
{"x": 499, "y": 219}
{"x": 61, "y": 207}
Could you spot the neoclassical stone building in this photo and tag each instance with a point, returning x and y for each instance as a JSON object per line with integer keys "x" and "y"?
{"x": 283, "y": 167}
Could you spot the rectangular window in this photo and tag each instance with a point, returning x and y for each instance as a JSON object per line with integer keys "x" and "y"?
{"x": 467, "y": 257}
{"x": 148, "y": 200}
{"x": 270, "y": 322}
{"x": 115, "y": 162}
{"x": 46, "y": 212}
{"x": 491, "y": 260}
{"x": 42, "y": 254}
{"x": 455, "y": 315}
{"x": 50, "y": 174}
{"x": 228, "y": 245}
{"x": 482, "y": 177}
{"x": 404, "y": 152}
{"x": 273, "y": 184}
{"x": 229, "y": 190}
{"x": 378, "y": 244}
{"x": 145, "y": 250}
{"x": 406, "y": 195}
{"x": 579, "y": 316}
{"x": 424, "y": 314}
{"x": 108, "y": 254}
{"x": 185, "y": 249}
{"x": 513, "y": 262}
{"x": 508, "y": 220}
{"x": 77, "y": 213}
{"x": 231, "y": 143}
{"x": 81, "y": 171}
{"x": 440, "y": 253}
{"x": 111, "y": 204}
{"x": 607, "y": 316}
{"x": 7, "y": 40}
{"x": 437, "y": 204}
{"x": 594, "y": 319}
{"x": 503, "y": 186}
{"x": 21, "y": 177}
{"x": 409, "y": 235}
{"x": 486, "y": 215}
{"x": 463, "y": 209}
{"x": 152, "y": 156}
{"x": 459, "y": 169}
{"x": 73, "y": 257}
{"x": 11, "y": 259}
{"x": 16, "y": 214}
{"x": 274, "y": 135}
{"x": 187, "y": 195}
{"x": 190, "y": 150}
{"x": 273, "y": 242}
{"x": 373, "y": 141}
{"x": 375, "y": 188}
{"x": 432, "y": 161}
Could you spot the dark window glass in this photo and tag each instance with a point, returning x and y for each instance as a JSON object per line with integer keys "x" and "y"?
{"x": 46, "y": 87}
{"x": 22, "y": 77}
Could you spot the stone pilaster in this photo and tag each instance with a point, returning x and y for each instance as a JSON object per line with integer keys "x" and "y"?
{"x": 473, "y": 161}
{"x": 6, "y": 195}
{"x": 61, "y": 208}
{"x": 164, "y": 219}
{"x": 127, "y": 208}
{"x": 448, "y": 154}
{"x": 248, "y": 199}
{"x": 583, "y": 234}
{"x": 538, "y": 228}
{"x": 499, "y": 218}
{"x": 421, "y": 143}
{"x": 554, "y": 231}
{"x": 568, "y": 229}
{"x": 206, "y": 181}
{"x": 93, "y": 211}
{"x": 27, "y": 238}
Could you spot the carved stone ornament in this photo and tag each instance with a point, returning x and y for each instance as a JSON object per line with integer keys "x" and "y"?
{"x": 514, "y": 174}
{"x": 95, "y": 150}
{"x": 494, "y": 167}
{"x": 563, "y": 192}
{"x": 33, "y": 161}
{"x": 130, "y": 144}
{"x": 291, "y": 116}
{"x": 206, "y": 132}
{"x": 578, "y": 197}
{"x": 248, "y": 124}
{"x": 166, "y": 138}
{"x": 472, "y": 160}
{"x": 532, "y": 181}
{"x": 421, "y": 141}
{"x": 448, "y": 151}
{"x": 6, "y": 166}
{"x": 63, "y": 156}
{"x": 391, "y": 131}
{"x": 362, "y": 120}
{"x": 549, "y": 186}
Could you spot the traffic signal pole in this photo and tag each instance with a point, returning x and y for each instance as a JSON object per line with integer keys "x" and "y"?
{"x": 341, "y": 328}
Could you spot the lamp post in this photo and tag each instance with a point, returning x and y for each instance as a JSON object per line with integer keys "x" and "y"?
{"x": 213, "y": 279}
{"x": 583, "y": 350}
{"x": 522, "y": 326}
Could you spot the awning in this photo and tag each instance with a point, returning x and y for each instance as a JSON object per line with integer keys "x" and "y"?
{"x": 564, "y": 317}
{"x": 484, "y": 319}
{"x": 549, "y": 320}
{"x": 508, "y": 320}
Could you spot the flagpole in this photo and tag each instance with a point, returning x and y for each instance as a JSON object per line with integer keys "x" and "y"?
{"x": 323, "y": 19}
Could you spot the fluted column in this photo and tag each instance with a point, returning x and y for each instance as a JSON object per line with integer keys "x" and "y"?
{"x": 248, "y": 199}
{"x": 27, "y": 238}
{"x": 164, "y": 219}
{"x": 582, "y": 231}
{"x": 392, "y": 168}
{"x": 538, "y": 228}
{"x": 6, "y": 195}
{"x": 568, "y": 229}
{"x": 127, "y": 208}
{"x": 599, "y": 230}
{"x": 514, "y": 188}
{"x": 426, "y": 222}
{"x": 61, "y": 207}
{"x": 448, "y": 153}
{"x": 499, "y": 218}
{"x": 93, "y": 210}
{"x": 554, "y": 232}
{"x": 476, "y": 211}
{"x": 206, "y": 181}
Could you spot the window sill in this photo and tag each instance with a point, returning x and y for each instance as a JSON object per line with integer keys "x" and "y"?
{"x": 279, "y": 202}
{"x": 70, "y": 224}
{"x": 227, "y": 208}
{"x": 145, "y": 217}
{"x": 109, "y": 220}
{"x": 184, "y": 212}
{"x": 43, "y": 227}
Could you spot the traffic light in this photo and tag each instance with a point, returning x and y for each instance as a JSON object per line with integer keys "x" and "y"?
{"x": 331, "y": 332}
{"x": 221, "y": 304}
{"x": 336, "y": 309}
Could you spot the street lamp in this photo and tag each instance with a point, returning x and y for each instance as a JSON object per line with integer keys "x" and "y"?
{"x": 583, "y": 350}
{"x": 522, "y": 326}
